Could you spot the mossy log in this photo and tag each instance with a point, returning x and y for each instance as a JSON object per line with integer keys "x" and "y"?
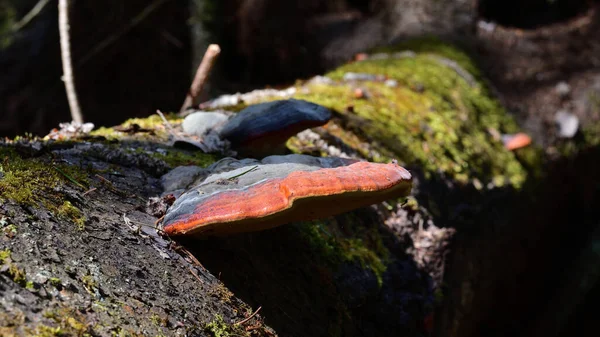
{"x": 80, "y": 253}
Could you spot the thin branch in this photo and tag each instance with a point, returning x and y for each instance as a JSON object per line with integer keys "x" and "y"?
{"x": 248, "y": 318}
{"x": 192, "y": 257}
{"x": 201, "y": 75}
{"x": 65, "y": 51}
{"x": 166, "y": 122}
{"x": 89, "y": 191}
{"x": 37, "y": 9}
{"x": 111, "y": 187}
{"x": 196, "y": 275}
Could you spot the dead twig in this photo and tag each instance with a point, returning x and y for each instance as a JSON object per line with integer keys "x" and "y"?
{"x": 166, "y": 122}
{"x": 37, "y": 9}
{"x": 196, "y": 275}
{"x": 111, "y": 187}
{"x": 201, "y": 75}
{"x": 65, "y": 53}
{"x": 249, "y": 317}
{"x": 141, "y": 224}
{"x": 181, "y": 249}
{"x": 89, "y": 191}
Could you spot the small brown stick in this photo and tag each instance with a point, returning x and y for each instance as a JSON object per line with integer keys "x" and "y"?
{"x": 67, "y": 63}
{"x": 201, "y": 75}
{"x": 166, "y": 122}
{"x": 183, "y": 251}
{"x": 111, "y": 187}
{"x": 196, "y": 275}
{"x": 89, "y": 191}
{"x": 192, "y": 257}
{"x": 248, "y": 318}
{"x": 104, "y": 179}
{"x": 159, "y": 220}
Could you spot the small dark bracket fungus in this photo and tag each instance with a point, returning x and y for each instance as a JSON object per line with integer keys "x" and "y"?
{"x": 271, "y": 202}
{"x": 262, "y": 129}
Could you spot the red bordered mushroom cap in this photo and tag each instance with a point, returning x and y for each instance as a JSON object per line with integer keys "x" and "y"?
{"x": 299, "y": 195}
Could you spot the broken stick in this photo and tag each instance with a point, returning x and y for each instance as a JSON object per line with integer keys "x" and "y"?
{"x": 201, "y": 75}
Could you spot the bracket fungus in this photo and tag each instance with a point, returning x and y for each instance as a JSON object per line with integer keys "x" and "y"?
{"x": 264, "y": 128}
{"x": 279, "y": 190}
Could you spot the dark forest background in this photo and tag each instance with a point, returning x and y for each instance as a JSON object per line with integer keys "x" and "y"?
{"x": 134, "y": 57}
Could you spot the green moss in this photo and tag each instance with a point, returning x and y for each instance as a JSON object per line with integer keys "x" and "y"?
{"x": 590, "y": 138}
{"x": 180, "y": 158}
{"x": 108, "y": 133}
{"x": 532, "y": 158}
{"x": 433, "y": 119}
{"x": 48, "y": 331}
{"x": 89, "y": 283}
{"x": 356, "y": 250}
{"x": 222, "y": 292}
{"x": 594, "y": 98}
{"x": 4, "y": 255}
{"x": 173, "y": 157}
{"x": 316, "y": 235}
{"x": 17, "y": 274}
{"x": 591, "y": 132}
{"x": 153, "y": 123}
{"x": 176, "y": 157}
{"x": 34, "y": 181}
{"x": 55, "y": 282}
{"x": 30, "y": 181}
{"x": 7, "y": 22}
{"x": 218, "y": 328}
{"x": 11, "y": 322}
{"x": 67, "y": 210}
{"x": 69, "y": 323}
{"x": 434, "y": 46}
{"x": 364, "y": 246}
{"x": 10, "y": 230}
{"x": 157, "y": 321}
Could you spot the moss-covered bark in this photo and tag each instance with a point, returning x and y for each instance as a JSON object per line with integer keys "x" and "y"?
{"x": 81, "y": 256}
